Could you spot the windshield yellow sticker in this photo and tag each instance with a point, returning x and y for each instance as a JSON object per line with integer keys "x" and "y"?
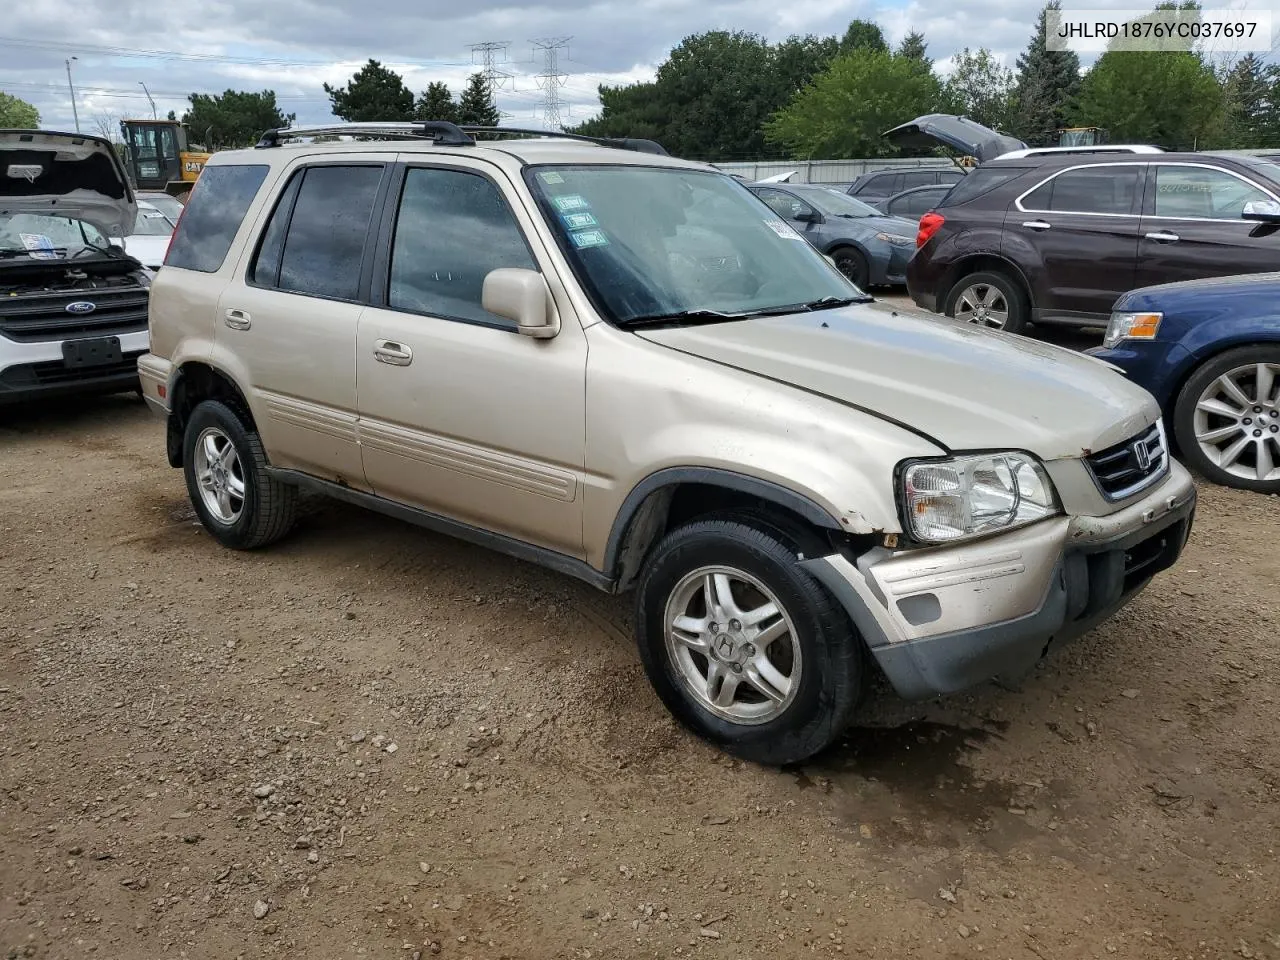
{"x": 589, "y": 238}
{"x": 782, "y": 230}
{"x": 39, "y": 247}
{"x": 570, "y": 203}
{"x": 577, "y": 221}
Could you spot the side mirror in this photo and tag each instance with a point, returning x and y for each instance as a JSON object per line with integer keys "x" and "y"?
{"x": 807, "y": 215}
{"x": 1265, "y": 211}
{"x": 522, "y": 296}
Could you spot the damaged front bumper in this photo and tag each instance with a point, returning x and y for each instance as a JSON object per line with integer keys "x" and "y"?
{"x": 942, "y": 619}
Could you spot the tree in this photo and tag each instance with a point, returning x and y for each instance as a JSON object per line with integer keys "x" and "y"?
{"x": 1048, "y": 82}
{"x": 236, "y": 118}
{"x": 845, "y": 111}
{"x": 436, "y": 103}
{"x": 476, "y": 105}
{"x": 797, "y": 60}
{"x": 863, "y": 35}
{"x": 374, "y": 93}
{"x": 1169, "y": 98}
{"x": 981, "y": 89}
{"x": 1247, "y": 91}
{"x": 17, "y": 114}
{"x": 913, "y": 47}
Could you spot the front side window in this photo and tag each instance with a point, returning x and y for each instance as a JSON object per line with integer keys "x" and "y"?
{"x": 452, "y": 229}
{"x": 648, "y": 243}
{"x": 1106, "y": 189}
{"x": 784, "y": 204}
{"x": 919, "y": 178}
{"x": 1202, "y": 193}
{"x": 884, "y": 185}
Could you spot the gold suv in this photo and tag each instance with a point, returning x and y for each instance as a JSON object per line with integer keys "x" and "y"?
{"x": 624, "y": 366}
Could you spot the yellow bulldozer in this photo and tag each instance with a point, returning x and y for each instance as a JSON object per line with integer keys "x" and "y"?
{"x": 158, "y": 156}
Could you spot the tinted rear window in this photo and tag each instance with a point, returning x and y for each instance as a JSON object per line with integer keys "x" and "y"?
{"x": 1110, "y": 189}
{"x": 982, "y": 181}
{"x": 212, "y": 216}
{"x": 324, "y": 247}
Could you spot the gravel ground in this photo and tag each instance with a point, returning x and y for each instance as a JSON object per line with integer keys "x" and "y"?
{"x": 372, "y": 741}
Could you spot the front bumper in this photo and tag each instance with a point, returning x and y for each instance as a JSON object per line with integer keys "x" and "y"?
{"x": 943, "y": 619}
{"x": 32, "y": 370}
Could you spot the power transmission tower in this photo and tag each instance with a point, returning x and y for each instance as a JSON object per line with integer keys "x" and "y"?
{"x": 551, "y": 79}
{"x": 489, "y": 52}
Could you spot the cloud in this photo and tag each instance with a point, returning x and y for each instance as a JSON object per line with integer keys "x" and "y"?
{"x": 294, "y": 46}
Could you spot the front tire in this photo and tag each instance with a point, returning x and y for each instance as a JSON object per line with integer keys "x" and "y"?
{"x": 226, "y": 470}
{"x": 743, "y": 646}
{"x": 853, "y": 264}
{"x": 989, "y": 299}
{"x": 1227, "y": 419}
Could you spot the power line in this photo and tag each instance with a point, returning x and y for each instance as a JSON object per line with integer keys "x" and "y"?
{"x": 551, "y": 79}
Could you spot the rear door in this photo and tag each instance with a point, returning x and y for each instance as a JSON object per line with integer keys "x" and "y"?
{"x": 1075, "y": 233}
{"x": 1191, "y": 225}
{"x": 289, "y": 321}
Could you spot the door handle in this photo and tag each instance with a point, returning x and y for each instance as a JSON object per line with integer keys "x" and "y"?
{"x": 1036, "y": 225}
{"x": 236, "y": 319}
{"x": 396, "y": 354}
{"x": 1161, "y": 237}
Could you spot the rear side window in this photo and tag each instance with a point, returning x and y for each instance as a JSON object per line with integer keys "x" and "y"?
{"x": 212, "y": 216}
{"x": 982, "y": 181}
{"x": 314, "y": 243}
{"x": 884, "y": 185}
{"x": 1109, "y": 189}
{"x": 453, "y": 227}
{"x": 919, "y": 178}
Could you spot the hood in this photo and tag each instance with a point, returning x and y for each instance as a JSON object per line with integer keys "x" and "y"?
{"x": 1235, "y": 293}
{"x": 958, "y": 133}
{"x": 965, "y": 387}
{"x": 886, "y": 224}
{"x": 148, "y": 251}
{"x": 65, "y": 175}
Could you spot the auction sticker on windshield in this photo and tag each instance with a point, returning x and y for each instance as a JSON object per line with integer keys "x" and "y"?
{"x": 39, "y": 246}
{"x": 570, "y": 203}
{"x": 577, "y": 221}
{"x": 782, "y": 230}
{"x": 589, "y": 238}
{"x": 550, "y": 177}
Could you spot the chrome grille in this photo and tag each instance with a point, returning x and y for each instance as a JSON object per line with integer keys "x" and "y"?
{"x": 1133, "y": 465}
{"x": 44, "y": 316}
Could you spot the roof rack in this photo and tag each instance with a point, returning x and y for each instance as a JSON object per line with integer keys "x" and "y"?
{"x": 445, "y": 134}
{"x": 618, "y": 143}
{"x": 441, "y": 131}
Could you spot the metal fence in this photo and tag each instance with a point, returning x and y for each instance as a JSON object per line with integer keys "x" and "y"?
{"x": 827, "y": 171}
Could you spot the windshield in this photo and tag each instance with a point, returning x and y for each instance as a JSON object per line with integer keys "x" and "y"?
{"x": 152, "y": 223}
{"x": 48, "y": 238}
{"x": 171, "y": 207}
{"x": 835, "y": 204}
{"x": 651, "y": 242}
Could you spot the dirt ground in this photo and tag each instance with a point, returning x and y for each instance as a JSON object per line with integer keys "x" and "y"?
{"x": 372, "y": 741}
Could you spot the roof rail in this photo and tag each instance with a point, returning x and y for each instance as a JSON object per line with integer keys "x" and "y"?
{"x": 619, "y": 143}
{"x": 441, "y": 131}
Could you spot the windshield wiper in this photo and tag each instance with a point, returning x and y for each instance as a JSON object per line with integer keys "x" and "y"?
{"x": 830, "y": 303}
{"x": 685, "y": 316}
{"x": 106, "y": 251}
{"x": 24, "y": 252}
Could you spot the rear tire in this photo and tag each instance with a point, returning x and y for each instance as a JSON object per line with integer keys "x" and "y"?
{"x": 989, "y": 299}
{"x": 1217, "y": 442}
{"x": 225, "y": 464}
{"x": 743, "y": 646}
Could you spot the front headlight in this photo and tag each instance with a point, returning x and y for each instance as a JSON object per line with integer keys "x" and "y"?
{"x": 1131, "y": 326}
{"x": 969, "y": 496}
{"x": 895, "y": 240}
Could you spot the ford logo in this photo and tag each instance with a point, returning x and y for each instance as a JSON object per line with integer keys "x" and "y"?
{"x": 81, "y": 306}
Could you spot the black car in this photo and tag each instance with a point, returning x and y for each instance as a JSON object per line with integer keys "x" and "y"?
{"x": 881, "y": 184}
{"x": 1057, "y": 238}
{"x": 912, "y": 204}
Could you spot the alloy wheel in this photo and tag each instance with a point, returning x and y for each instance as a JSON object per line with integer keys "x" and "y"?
{"x": 982, "y": 304}
{"x": 220, "y": 475}
{"x": 1237, "y": 422}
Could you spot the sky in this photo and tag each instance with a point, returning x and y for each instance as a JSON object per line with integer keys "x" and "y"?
{"x": 294, "y": 46}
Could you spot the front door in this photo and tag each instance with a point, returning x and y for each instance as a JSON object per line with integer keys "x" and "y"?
{"x": 1076, "y": 236}
{"x": 1191, "y": 225}
{"x": 460, "y": 414}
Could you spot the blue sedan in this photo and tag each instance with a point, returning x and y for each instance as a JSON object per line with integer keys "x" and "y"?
{"x": 1209, "y": 351}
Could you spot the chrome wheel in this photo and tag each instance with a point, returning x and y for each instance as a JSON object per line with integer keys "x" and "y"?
{"x": 733, "y": 645}
{"x": 983, "y": 304}
{"x": 220, "y": 475}
{"x": 1237, "y": 422}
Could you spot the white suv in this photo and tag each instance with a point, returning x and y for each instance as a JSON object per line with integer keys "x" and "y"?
{"x": 625, "y": 367}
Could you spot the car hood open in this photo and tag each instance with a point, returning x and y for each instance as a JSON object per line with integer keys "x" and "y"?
{"x": 65, "y": 175}
{"x": 958, "y": 133}
{"x": 964, "y": 387}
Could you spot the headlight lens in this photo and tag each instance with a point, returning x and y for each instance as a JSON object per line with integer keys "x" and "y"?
{"x": 1131, "y": 326}
{"x": 896, "y": 240}
{"x": 969, "y": 496}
